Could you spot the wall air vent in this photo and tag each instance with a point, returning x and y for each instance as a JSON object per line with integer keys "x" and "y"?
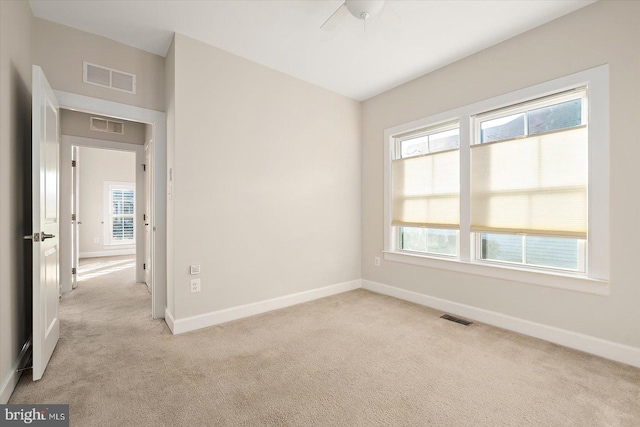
{"x": 106, "y": 125}
{"x": 456, "y": 319}
{"x": 108, "y": 77}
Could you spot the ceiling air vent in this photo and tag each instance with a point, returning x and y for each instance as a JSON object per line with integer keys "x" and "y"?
{"x": 108, "y": 77}
{"x": 106, "y": 125}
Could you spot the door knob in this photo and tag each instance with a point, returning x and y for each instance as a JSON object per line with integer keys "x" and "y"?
{"x": 46, "y": 236}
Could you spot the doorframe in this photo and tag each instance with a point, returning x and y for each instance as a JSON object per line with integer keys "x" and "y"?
{"x": 157, "y": 119}
{"x": 148, "y": 233}
{"x": 67, "y": 142}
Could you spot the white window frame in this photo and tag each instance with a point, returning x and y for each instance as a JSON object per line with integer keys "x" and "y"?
{"x": 398, "y": 140}
{"x": 109, "y": 186}
{"x": 581, "y": 270}
{"x": 579, "y": 93}
{"x": 595, "y": 279}
{"x": 431, "y": 130}
{"x": 398, "y": 236}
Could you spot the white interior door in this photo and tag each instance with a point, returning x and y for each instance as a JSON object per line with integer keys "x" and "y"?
{"x": 147, "y": 216}
{"x": 46, "y": 208}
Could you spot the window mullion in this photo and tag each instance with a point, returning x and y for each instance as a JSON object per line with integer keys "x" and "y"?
{"x": 464, "y": 236}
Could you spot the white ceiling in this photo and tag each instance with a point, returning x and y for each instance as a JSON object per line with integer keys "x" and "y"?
{"x": 408, "y": 39}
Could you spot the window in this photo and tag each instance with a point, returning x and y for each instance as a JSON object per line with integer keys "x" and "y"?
{"x": 513, "y": 187}
{"x": 529, "y": 175}
{"x": 535, "y": 251}
{"x": 120, "y": 218}
{"x": 429, "y": 240}
{"x": 426, "y": 190}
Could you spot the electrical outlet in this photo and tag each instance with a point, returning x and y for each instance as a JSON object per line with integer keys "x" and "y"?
{"x": 195, "y": 285}
{"x": 376, "y": 261}
{"x": 96, "y": 240}
{"x": 195, "y": 269}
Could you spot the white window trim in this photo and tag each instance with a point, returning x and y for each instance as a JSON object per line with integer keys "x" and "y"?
{"x": 108, "y": 223}
{"x": 596, "y": 279}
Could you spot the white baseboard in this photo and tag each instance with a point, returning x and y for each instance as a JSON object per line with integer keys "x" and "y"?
{"x": 115, "y": 252}
{"x": 192, "y": 323}
{"x": 168, "y": 318}
{"x": 588, "y": 344}
{"x": 11, "y": 380}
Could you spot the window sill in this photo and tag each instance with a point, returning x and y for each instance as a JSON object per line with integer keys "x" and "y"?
{"x": 540, "y": 278}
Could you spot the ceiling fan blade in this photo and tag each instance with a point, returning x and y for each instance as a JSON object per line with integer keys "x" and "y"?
{"x": 389, "y": 16}
{"x": 335, "y": 19}
{"x": 390, "y": 22}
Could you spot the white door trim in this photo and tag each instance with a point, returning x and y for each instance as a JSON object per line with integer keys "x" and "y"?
{"x": 75, "y": 190}
{"x": 72, "y": 101}
{"x": 148, "y": 161}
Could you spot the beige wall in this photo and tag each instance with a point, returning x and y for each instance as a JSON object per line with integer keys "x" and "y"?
{"x": 75, "y": 123}
{"x": 605, "y": 32}
{"x": 266, "y": 188}
{"x": 96, "y": 166}
{"x": 61, "y": 50}
{"x": 15, "y": 182}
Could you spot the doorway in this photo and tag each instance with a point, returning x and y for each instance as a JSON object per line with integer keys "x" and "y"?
{"x": 106, "y": 194}
{"x": 157, "y": 174}
{"x": 55, "y": 247}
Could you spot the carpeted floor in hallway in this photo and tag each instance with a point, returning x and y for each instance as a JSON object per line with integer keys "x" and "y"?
{"x": 354, "y": 359}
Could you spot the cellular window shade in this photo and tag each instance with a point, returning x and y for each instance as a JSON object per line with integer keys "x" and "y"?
{"x": 426, "y": 190}
{"x": 535, "y": 185}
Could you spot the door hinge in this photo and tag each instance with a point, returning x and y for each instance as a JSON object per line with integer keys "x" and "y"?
{"x": 73, "y": 217}
{"x": 73, "y": 270}
{"x": 144, "y": 217}
{"x": 73, "y": 163}
{"x": 144, "y": 266}
{"x": 144, "y": 167}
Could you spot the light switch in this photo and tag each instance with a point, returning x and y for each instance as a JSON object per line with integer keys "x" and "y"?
{"x": 195, "y": 269}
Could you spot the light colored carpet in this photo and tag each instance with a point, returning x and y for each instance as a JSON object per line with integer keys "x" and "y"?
{"x": 355, "y": 359}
